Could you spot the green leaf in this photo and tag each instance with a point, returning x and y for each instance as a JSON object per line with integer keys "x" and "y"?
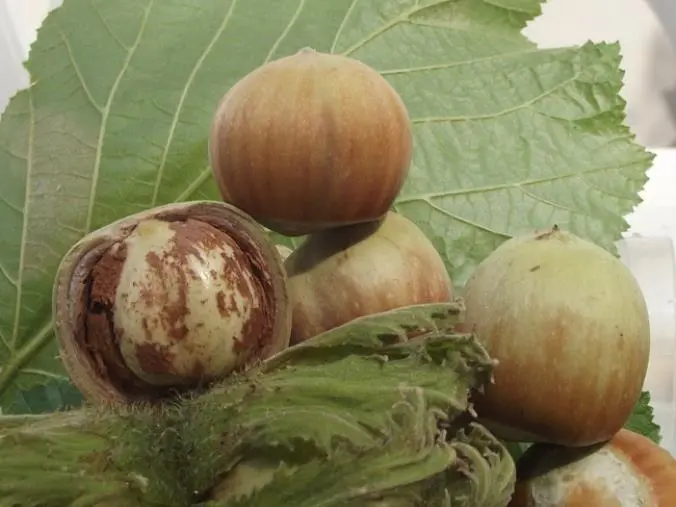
{"x": 308, "y": 409}
{"x": 59, "y": 460}
{"x": 317, "y": 415}
{"x": 409, "y": 470}
{"x": 516, "y": 449}
{"x": 388, "y": 422}
{"x": 412, "y": 453}
{"x": 116, "y": 120}
{"x": 40, "y": 399}
{"x": 642, "y": 420}
{"x": 375, "y": 333}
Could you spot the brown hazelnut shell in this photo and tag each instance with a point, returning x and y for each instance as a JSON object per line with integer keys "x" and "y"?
{"x": 85, "y": 368}
{"x": 568, "y": 324}
{"x": 610, "y": 474}
{"x": 339, "y": 275}
{"x": 311, "y": 141}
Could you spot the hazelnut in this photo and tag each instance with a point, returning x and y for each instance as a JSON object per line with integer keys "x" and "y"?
{"x": 167, "y": 300}
{"x": 628, "y": 471}
{"x": 311, "y": 141}
{"x": 568, "y": 324}
{"x": 342, "y": 274}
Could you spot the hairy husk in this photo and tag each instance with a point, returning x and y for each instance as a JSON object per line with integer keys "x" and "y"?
{"x": 374, "y": 414}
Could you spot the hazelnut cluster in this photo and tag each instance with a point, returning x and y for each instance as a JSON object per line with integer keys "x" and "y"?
{"x": 319, "y": 145}
{"x": 179, "y": 296}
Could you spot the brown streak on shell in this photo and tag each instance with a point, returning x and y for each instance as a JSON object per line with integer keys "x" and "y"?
{"x": 576, "y": 328}
{"x": 536, "y": 407}
{"x": 339, "y": 275}
{"x": 295, "y": 139}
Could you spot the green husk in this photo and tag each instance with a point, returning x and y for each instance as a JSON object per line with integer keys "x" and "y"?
{"x": 374, "y": 413}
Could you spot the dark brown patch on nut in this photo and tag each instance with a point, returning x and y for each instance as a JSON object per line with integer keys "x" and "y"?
{"x": 261, "y": 320}
{"x": 155, "y": 359}
{"x": 97, "y": 333}
{"x": 146, "y": 328}
{"x": 173, "y": 312}
{"x": 222, "y": 304}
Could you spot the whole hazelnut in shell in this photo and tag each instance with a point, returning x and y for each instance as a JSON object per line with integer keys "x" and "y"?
{"x": 339, "y": 275}
{"x": 168, "y": 300}
{"x": 568, "y": 324}
{"x": 311, "y": 141}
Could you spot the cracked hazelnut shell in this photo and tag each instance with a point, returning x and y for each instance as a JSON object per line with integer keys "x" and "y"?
{"x": 168, "y": 300}
{"x": 311, "y": 141}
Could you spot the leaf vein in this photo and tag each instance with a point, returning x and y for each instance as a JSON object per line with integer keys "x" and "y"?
{"x": 496, "y": 114}
{"x": 24, "y": 222}
{"x": 403, "y": 17}
{"x": 10, "y": 205}
{"x": 510, "y": 8}
{"x": 5, "y": 273}
{"x": 78, "y": 72}
{"x": 460, "y": 63}
{"x": 13, "y": 154}
{"x": 546, "y": 201}
{"x": 107, "y": 26}
{"x": 286, "y": 30}
{"x": 13, "y": 366}
{"x": 73, "y": 136}
{"x": 181, "y": 100}
{"x": 535, "y": 181}
{"x": 106, "y": 114}
{"x": 74, "y": 230}
{"x": 5, "y": 342}
{"x": 437, "y": 24}
{"x": 348, "y": 13}
{"x": 466, "y": 221}
{"x": 43, "y": 373}
{"x": 196, "y": 183}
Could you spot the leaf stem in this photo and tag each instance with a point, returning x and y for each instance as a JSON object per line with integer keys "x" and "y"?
{"x": 11, "y": 368}
{"x": 21, "y": 418}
